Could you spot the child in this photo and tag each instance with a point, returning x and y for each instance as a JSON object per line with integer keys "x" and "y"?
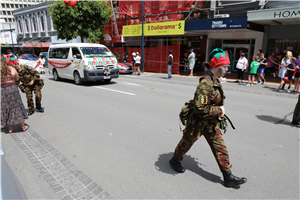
{"x": 39, "y": 67}
{"x": 253, "y": 70}
{"x": 260, "y": 72}
{"x": 291, "y": 73}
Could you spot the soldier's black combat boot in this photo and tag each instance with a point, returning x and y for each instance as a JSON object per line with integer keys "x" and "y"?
{"x": 176, "y": 165}
{"x": 230, "y": 180}
{"x": 30, "y": 112}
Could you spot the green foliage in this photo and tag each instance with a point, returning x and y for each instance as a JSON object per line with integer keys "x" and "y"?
{"x": 87, "y": 19}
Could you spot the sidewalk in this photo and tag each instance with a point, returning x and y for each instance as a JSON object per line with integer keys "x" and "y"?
{"x": 233, "y": 76}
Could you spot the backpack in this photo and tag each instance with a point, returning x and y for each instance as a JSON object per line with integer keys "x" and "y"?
{"x": 186, "y": 112}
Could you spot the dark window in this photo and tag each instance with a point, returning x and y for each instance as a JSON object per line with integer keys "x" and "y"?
{"x": 75, "y": 51}
{"x": 7, "y": 5}
{"x": 9, "y": 19}
{"x": 21, "y": 6}
{"x": 33, "y": 21}
{"x": 17, "y": 6}
{"x": 12, "y": 5}
{"x": 25, "y": 5}
{"x": 8, "y": 12}
{"x": 42, "y": 22}
{"x": 3, "y": 5}
{"x": 4, "y": 12}
{"x": 59, "y": 53}
{"x": 5, "y": 19}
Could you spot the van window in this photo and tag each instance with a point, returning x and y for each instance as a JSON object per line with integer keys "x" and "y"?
{"x": 59, "y": 53}
{"x": 95, "y": 51}
{"x": 75, "y": 51}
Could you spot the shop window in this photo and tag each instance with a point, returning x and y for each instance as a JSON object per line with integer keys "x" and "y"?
{"x": 20, "y": 26}
{"x": 42, "y": 22}
{"x": 33, "y": 22}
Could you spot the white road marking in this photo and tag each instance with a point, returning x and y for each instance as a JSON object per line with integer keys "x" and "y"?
{"x": 114, "y": 90}
{"x": 128, "y": 83}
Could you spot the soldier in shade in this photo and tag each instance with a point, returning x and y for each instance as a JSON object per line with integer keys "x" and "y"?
{"x": 31, "y": 82}
{"x": 205, "y": 119}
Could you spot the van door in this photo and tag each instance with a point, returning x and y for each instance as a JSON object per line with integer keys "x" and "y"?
{"x": 76, "y": 63}
{"x": 60, "y": 59}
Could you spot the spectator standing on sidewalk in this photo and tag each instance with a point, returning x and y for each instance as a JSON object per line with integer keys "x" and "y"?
{"x": 260, "y": 72}
{"x": 291, "y": 68}
{"x": 137, "y": 61}
{"x": 259, "y": 52}
{"x": 170, "y": 64}
{"x": 297, "y": 76}
{"x": 231, "y": 56}
{"x": 253, "y": 70}
{"x": 192, "y": 59}
{"x": 271, "y": 61}
{"x": 12, "y": 108}
{"x": 133, "y": 63}
{"x": 286, "y": 60}
{"x": 241, "y": 67}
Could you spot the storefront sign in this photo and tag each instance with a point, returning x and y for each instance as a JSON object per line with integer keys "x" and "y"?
{"x": 45, "y": 44}
{"x": 165, "y": 28}
{"x": 217, "y": 24}
{"x": 151, "y": 29}
{"x": 132, "y": 30}
{"x": 274, "y": 14}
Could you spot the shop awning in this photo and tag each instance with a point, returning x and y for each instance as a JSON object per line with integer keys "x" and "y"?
{"x": 276, "y": 16}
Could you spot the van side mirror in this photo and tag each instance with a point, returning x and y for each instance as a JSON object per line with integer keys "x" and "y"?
{"x": 78, "y": 56}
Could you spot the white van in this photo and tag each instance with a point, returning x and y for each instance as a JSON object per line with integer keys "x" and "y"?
{"x": 82, "y": 62}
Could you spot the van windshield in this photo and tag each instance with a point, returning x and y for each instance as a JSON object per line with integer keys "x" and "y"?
{"x": 90, "y": 52}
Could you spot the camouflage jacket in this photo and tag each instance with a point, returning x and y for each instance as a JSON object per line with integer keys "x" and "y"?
{"x": 208, "y": 98}
{"x": 27, "y": 75}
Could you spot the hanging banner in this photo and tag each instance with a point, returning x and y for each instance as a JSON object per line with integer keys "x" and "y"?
{"x": 152, "y": 29}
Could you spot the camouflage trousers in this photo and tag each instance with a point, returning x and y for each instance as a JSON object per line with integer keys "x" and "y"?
{"x": 38, "y": 97}
{"x": 215, "y": 141}
{"x": 297, "y": 109}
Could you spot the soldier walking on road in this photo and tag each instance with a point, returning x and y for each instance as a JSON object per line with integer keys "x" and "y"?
{"x": 207, "y": 118}
{"x": 31, "y": 82}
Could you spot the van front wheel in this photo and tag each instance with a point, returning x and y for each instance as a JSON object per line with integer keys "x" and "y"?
{"x": 55, "y": 75}
{"x": 77, "y": 78}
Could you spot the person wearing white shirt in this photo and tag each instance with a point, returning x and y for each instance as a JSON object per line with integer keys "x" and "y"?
{"x": 241, "y": 67}
{"x": 137, "y": 61}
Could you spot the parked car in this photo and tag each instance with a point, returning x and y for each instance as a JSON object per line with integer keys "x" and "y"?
{"x": 45, "y": 55}
{"x": 28, "y": 59}
{"x": 125, "y": 68}
{"x": 10, "y": 187}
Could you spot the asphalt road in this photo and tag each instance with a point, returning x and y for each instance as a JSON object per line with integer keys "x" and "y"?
{"x": 114, "y": 140}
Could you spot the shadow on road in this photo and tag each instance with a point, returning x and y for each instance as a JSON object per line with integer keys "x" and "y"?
{"x": 275, "y": 120}
{"x": 189, "y": 163}
{"x": 85, "y": 84}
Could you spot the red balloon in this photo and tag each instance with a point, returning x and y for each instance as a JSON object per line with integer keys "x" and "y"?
{"x": 70, "y": 2}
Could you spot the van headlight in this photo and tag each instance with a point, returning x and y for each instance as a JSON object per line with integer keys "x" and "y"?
{"x": 89, "y": 67}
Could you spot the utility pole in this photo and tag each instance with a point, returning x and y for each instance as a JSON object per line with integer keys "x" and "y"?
{"x": 143, "y": 33}
{"x": 12, "y": 39}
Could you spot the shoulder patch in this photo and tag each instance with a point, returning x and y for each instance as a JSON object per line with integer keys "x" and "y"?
{"x": 203, "y": 99}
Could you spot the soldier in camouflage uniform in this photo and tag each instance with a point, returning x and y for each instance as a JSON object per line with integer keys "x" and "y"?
{"x": 31, "y": 82}
{"x": 205, "y": 119}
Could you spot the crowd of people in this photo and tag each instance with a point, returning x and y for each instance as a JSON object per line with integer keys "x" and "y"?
{"x": 14, "y": 76}
{"x": 289, "y": 70}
